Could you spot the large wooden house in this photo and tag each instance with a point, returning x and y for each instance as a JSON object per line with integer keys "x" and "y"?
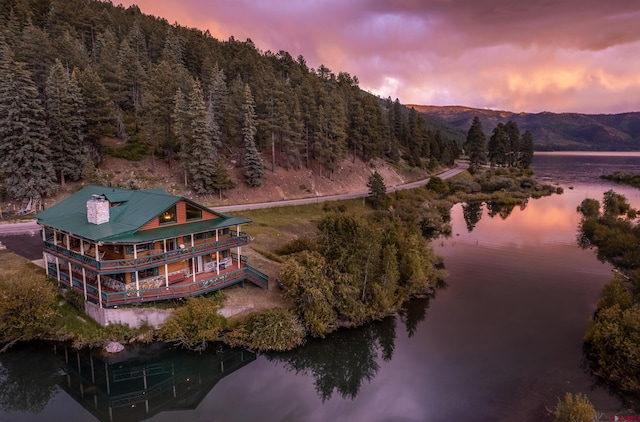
{"x": 118, "y": 246}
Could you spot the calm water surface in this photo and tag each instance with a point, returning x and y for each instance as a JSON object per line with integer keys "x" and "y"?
{"x": 501, "y": 342}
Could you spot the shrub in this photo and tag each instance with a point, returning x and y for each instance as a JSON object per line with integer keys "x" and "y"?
{"x": 134, "y": 150}
{"x": 196, "y": 324}
{"x": 275, "y": 329}
{"x": 438, "y": 185}
{"x": 298, "y": 245}
{"x": 75, "y": 299}
{"x": 576, "y": 408}
{"x": 28, "y": 305}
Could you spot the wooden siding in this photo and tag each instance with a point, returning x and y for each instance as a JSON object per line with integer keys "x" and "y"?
{"x": 181, "y": 214}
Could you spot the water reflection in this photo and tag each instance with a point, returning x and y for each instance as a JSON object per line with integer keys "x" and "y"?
{"x": 344, "y": 360}
{"x": 413, "y": 313}
{"x": 28, "y": 379}
{"x": 503, "y": 210}
{"x": 472, "y": 213}
{"x": 156, "y": 379}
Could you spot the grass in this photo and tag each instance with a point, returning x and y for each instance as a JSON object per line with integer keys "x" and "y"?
{"x": 272, "y": 228}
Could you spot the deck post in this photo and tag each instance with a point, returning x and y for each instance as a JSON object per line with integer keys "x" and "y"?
{"x": 99, "y": 291}
{"x": 135, "y": 257}
{"x": 84, "y": 282}
{"x": 166, "y": 267}
{"x": 55, "y": 242}
{"x": 239, "y": 257}
{"x": 193, "y": 261}
{"x": 217, "y": 255}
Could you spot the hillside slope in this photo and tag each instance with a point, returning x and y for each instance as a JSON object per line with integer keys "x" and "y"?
{"x": 551, "y": 131}
{"x": 349, "y": 176}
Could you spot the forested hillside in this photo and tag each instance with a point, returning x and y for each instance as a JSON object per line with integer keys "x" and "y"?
{"x": 74, "y": 72}
{"x": 551, "y": 131}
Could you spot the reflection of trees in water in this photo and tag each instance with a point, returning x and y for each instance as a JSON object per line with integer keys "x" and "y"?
{"x": 28, "y": 378}
{"x": 503, "y": 210}
{"x": 413, "y": 313}
{"x": 343, "y": 360}
{"x": 472, "y": 213}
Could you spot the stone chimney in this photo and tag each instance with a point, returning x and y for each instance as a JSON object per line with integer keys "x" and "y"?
{"x": 97, "y": 209}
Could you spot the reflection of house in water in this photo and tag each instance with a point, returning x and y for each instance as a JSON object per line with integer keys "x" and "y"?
{"x": 114, "y": 388}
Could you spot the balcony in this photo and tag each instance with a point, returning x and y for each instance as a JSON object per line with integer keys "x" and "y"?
{"x": 202, "y": 283}
{"x": 149, "y": 260}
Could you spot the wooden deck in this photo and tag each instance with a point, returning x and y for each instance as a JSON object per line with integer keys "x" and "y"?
{"x": 205, "y": 282}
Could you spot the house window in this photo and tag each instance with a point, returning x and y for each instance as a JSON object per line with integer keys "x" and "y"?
{"x": 149, "y": 272}
{"x": 200, "y": 236}
{"x": 193, "y": 212}
{"x": 169, "y": 216}
{"x": 142, "y": 247}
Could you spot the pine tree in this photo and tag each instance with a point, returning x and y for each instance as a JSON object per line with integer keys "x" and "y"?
{"x": 235, "y": 116}
{"x": 221, "y": 179}
{"x": 100, "y": 115}
{"x": 181, "y": 130}
{"x": 252, "y": 159}
{"x": 217, "y": 102}
{"x": 159, "y": 106}
{"x": 134, "y": 75}
{"x": 24, "y": 144}
{"x": 498, "y": 146}
{"x": 204, "y": 154}
{"x": 377, "y": 190}
{"x": 36, "y": 52}
{"x": 475, "y": 144}
{"x": 293, "y": 136}
{"x": 526, "y": 150}
{"x": 89, "y": 171}
{"x": 65, "y": 120}
{"x": 513, "y": 134}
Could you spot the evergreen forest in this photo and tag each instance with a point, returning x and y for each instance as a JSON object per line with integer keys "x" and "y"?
{"x": 73, "y": 72}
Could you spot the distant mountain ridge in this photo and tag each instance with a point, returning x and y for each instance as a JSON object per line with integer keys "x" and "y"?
{"x": 551, "y": 131}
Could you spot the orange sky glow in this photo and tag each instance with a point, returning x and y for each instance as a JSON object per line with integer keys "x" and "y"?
{"x": 560, "y": 56}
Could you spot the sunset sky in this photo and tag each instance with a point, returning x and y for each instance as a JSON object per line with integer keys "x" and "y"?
{"x": 531, "y": 56}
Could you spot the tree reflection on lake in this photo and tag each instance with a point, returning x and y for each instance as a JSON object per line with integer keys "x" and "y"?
{"x": 28, "y": 379}
{"x": 344, "y": 360}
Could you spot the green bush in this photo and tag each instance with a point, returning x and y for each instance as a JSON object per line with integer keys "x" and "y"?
{"x": 276, "y": 329}
{"x": 196, "y": 324}
{"x": 438, "y": 185}
{"x": 28, "y": 305}
{"x": 75, "y": 299}
{"x": 297, "y": 245}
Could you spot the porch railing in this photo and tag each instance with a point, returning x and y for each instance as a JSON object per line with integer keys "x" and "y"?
{"x": 149, "y": 261}
{"x": 201, "y": 287}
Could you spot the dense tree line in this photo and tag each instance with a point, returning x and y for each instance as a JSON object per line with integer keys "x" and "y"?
{"x": 505, "y": 148}
{"x": 85, "y": 69}
{"x": 612, "y": 342}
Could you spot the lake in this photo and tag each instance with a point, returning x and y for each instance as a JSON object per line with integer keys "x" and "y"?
{"x": 501, "y": 342}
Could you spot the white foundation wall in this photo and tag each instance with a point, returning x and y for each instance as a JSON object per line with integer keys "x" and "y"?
{"x": 133, "y": 317}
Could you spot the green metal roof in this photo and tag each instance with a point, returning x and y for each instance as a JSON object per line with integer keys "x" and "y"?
{"x": 135, "y": 209}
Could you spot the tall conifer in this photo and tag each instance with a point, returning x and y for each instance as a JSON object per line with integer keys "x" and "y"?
{"x": 252, "y": 159}
{"x": 24, "y": 142}
{"x": 204, "y": 155}
{"x": 475, "y": 144}
{"x": 65, "y": 110}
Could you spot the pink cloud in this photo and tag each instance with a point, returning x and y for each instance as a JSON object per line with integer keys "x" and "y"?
{"x": 565, "y": 55}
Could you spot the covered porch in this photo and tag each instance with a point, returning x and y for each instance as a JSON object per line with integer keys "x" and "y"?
{"x": 100, "y": 290}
